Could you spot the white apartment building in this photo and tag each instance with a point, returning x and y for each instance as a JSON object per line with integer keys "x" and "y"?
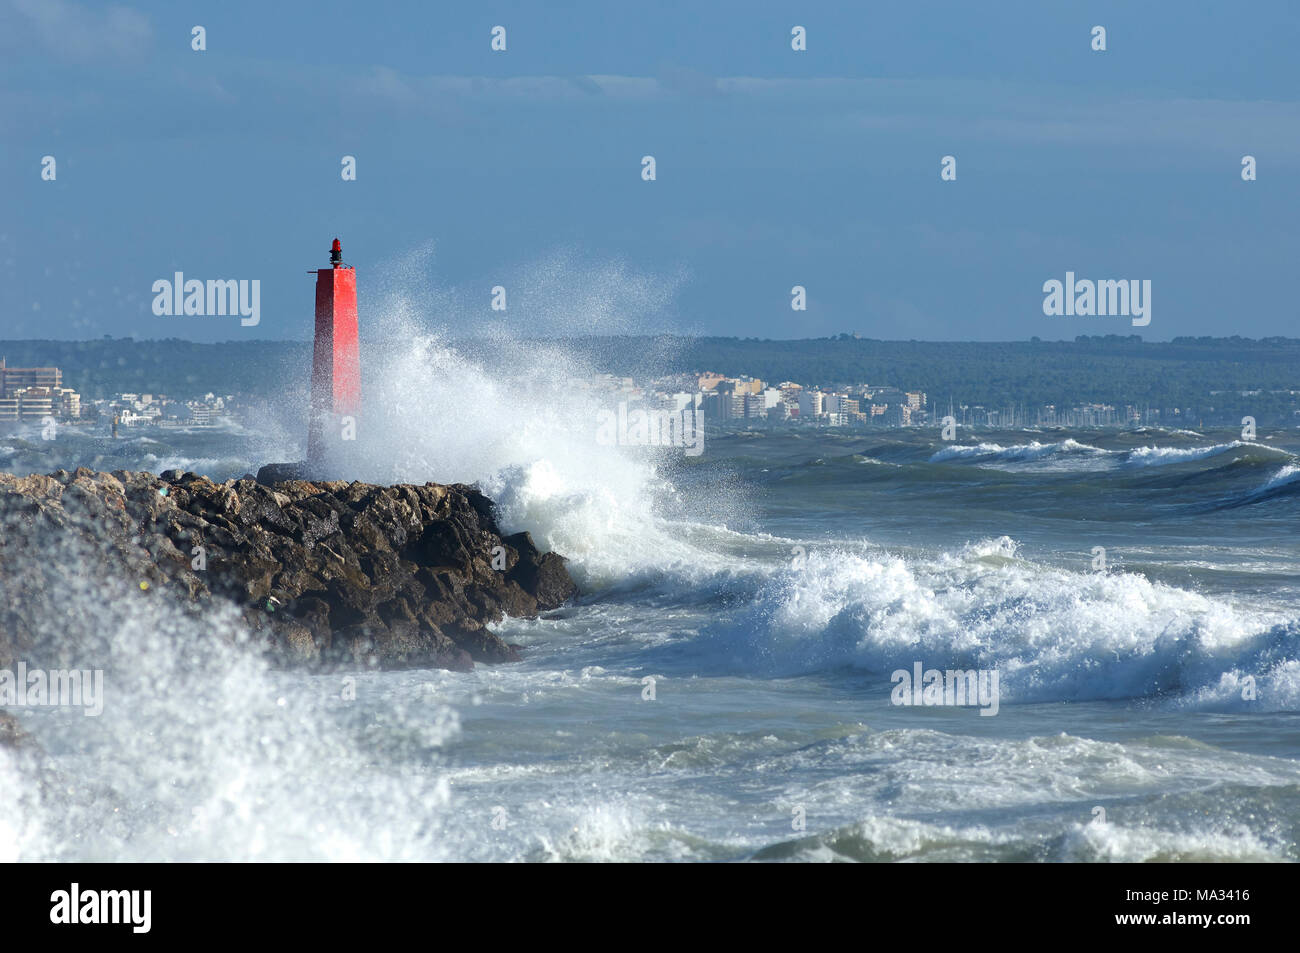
{"x": 812, "y": 403}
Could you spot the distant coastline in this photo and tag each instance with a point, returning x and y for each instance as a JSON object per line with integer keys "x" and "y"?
{"x": 1209, "y": 381}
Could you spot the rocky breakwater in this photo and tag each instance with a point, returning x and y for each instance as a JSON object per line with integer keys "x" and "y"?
{"x": 324, "y": 573}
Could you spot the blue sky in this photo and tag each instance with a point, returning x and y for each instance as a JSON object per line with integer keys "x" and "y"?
{"x": 775, "y": 168}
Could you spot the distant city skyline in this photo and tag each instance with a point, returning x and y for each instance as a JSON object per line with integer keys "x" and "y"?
{"x": 30, "y": 394}
{"x": 775, "y": 168}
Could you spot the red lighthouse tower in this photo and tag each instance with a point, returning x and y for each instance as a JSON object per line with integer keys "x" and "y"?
{"x": 336, "y": 357}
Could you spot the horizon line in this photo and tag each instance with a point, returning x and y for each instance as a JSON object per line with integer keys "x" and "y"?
{"x": 843, "y": 336}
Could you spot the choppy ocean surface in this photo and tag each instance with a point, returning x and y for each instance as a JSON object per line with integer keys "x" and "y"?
{"x": 1149, "y": 711}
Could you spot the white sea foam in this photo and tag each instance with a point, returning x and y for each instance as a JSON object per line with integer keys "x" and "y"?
{"x": 1053, "y": 634}
{"x": 1288, "y": 474}
{"x": 1016, "y": 453}
{"x": 202, "y": 752}
{"x": 1160, "y": 456}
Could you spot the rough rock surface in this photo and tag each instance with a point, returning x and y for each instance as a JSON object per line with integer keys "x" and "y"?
{"x": 324, "y": 572}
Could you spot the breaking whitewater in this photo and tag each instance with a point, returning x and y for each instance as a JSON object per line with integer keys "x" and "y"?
{"x": 727, "y": 685}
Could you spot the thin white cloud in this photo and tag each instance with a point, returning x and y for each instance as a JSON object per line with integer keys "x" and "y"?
{"x": 825, "y": 110}
{"x": 80, "y": 32}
